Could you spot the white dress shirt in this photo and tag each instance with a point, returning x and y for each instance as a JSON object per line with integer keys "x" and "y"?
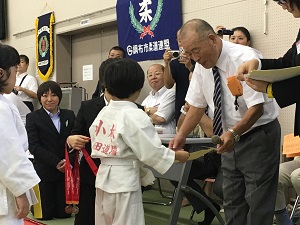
{"x": 23, "y": 109}
{"x": 164, "y": 100}
{"x": 201, "y": 89}
{"x": 29, "y": 83}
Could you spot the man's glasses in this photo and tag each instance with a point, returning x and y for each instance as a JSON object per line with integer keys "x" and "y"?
{"x": 152, "y": 74}
{"x": 281, "y": 2}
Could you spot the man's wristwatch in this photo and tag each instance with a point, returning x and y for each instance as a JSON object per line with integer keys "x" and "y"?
{"x": 147, "y": 110}
{"x": 235, "y": 135}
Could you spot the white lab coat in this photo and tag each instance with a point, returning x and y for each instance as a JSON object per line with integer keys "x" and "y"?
{"x": 17, "y": 175}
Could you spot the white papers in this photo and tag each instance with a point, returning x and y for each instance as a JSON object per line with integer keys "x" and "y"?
{"x": 87, "y": 72}
{"x": 275, "y": 75}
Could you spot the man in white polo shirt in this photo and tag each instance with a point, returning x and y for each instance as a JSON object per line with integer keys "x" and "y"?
{"x": 26, "y": 85}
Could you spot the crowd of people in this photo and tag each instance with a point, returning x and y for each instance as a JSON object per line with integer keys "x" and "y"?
{"x": 116, "y": 137}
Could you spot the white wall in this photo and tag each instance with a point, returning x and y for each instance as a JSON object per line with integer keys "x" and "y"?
{"x": 281, "y": 27}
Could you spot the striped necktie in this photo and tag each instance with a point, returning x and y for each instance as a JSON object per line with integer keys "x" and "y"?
{"x": 217, "y": 122}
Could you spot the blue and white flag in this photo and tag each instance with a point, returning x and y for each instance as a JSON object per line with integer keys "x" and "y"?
{"x": 147, "y": 27}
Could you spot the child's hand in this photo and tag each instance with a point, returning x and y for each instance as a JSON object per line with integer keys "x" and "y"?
{"x": 182, "y": 156}
{"x": 22, "y": 206}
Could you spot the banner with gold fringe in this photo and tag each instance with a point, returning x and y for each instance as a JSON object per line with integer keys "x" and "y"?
{"x": 44, "y": 45}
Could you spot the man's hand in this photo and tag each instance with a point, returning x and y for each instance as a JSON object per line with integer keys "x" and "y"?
{"x": 246, "y": 68}
{"x": 227, "y": 144}
{"x": 167, "y": 56}
{"x": 22, "y": 206}
{"x": 177, "y": 142}
{"x": 61, "y": 166}
{"x": 257, "y": 85}
{"x": 186, "y": 60}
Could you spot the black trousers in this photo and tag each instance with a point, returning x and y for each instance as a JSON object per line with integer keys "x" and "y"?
{"x": 207, "y": 166}
{"x": 53, "y": 200}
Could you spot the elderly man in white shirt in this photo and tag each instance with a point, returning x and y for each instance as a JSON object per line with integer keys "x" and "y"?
{"x": 250, "y": 134}
{"x": 160, "y": 103}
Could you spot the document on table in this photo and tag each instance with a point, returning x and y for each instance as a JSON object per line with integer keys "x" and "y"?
{"x": 274, "y": 75}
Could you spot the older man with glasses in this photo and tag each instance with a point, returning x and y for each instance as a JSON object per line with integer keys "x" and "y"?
{"x": 247, "y": 125}
{"x": 160, "y": 103}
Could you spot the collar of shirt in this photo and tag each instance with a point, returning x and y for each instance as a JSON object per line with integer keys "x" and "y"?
{"x": 52, "y": 115}
{"x": 55, "y": 118}
{"x": 105, "y": 100}
{"x": 22, "y": 75}
{"x": 122, "y": 104}
{"x": 221, "y": 63}
{"x": 159, "y": 92}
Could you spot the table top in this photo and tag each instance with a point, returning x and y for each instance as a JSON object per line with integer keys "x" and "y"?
{"x": 166, "y": 138}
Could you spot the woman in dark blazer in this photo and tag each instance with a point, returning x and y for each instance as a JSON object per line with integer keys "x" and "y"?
{"x": 48, "y": 129}
{"x": 286, "y": 93}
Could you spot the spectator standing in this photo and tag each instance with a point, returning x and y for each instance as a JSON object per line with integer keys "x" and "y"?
{"x": 26, "y": 85}
{"x": 114, "y": 52}
{"x": 48, "y": 129}
{"x": 286, "y": 93}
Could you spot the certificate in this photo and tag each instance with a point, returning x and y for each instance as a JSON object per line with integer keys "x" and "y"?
{"x": 274, "y": 75}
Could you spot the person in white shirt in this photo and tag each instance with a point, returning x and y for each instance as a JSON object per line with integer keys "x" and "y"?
{"x": 26, "y": 85}
{"x": 250, "y": 132}
{"x": 124, "y": 139}
{"x": 23, "y": 109}
{"x": 17, "y": 175}
{"x": 160, "y": 103}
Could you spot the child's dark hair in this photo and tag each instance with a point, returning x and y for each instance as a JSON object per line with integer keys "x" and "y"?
{"x": 9, "y": 57}
{"x": 102, "y": 68}
{"x": 123, "y": 77}
{"x": 49, "y": 85}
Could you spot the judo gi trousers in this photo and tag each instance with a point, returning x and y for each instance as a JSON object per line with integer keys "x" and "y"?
{"x": 125, "y": 208}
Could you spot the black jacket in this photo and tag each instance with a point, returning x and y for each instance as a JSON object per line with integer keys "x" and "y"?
{"x": 46, "y": 144}
{"x": 287, "y": 92}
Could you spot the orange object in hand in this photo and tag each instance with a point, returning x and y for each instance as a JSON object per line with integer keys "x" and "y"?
{"x": 235, "y": 86}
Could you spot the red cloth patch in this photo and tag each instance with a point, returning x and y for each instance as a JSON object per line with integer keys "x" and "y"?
{"x": 28, "y": 221}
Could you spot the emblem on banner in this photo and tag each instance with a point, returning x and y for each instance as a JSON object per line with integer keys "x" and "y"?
{"x": 43, "y": 46}
{"x": 144, "y": 12}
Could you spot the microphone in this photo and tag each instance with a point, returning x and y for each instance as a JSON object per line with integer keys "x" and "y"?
{"x": 216, "y": 140}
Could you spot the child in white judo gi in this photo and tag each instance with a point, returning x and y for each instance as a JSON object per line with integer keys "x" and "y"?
{"x": 124, "y": 138}
{"x": 17, "y": 175}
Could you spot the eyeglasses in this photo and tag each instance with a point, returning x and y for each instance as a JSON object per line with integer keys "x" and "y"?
{"x": 152, "y": 74}
{"x": 281, "y": 2}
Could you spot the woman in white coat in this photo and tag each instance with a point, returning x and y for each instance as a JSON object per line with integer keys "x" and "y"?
{"x": 17, "y": 175}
